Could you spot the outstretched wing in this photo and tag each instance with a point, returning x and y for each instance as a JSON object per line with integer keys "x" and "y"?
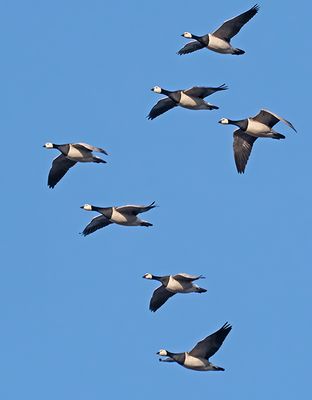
{"x": 242, "y": 146}
{"x": 60, "y": 166}
{"x": 182, "y": 276}
{"x": 232, "y": 26}
{"x": 160, "y": 296}
{"x": 168, "y": 359}
{"x": 190, "y": 48}
{"x": 202, "y": 92}
{"x": 270, "y": 119}
{"x": 135, "y": 210}
{"x": 161, "y": 107}
{"x": 96, "y": 223}
{"x": 207, "y": 347}
{"x": 92, "y": 148}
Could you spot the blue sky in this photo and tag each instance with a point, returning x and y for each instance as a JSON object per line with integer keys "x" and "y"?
{"x": 74, "y": 311}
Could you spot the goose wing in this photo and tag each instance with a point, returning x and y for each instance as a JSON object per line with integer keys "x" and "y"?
{"x": 270, "y": 119}
{"x": 91, "y": 148}
{"x": 60, "y": 165}
{"x": 161, "y": 107}
{"x": 182, "y": 276}
{"x": 96, "y": 223}
{"x": 242, "y": 146}
{"x": 168, "y": 359}
{"x": 202, "y": 92}
{"x": 190, "y": 47}
{"x": 160, "y": 296}
{"x": 232, "y": 26}
{"x": 135, "y": 210}
{"x": 207, "y": 347}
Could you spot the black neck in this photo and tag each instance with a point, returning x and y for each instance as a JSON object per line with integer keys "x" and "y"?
{"x": 166, "y": 92}
{"x": 173, "y": 95}
{"x": 106, "y": 211}
{"x": 201, "y": 39}
{"x": 177, "y": 357}
{"x": 64, "y": 148}
{"x": 157, "y": 278}
{"x": 95, "y": 208}
{"x": 241, "y": 123}
{"x": 163, "y": 279}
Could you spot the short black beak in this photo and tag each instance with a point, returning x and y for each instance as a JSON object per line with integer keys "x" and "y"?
{"x": 182, "y": 35}
{"x": 152, "y": 89}
{"x": 158, "y": 353}
{"x": 43, "y": 145}
{"x": 219, "y": 122}
{"x": 81, "y": 206}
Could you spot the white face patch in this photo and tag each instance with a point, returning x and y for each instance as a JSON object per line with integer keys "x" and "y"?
{"x": 156, "y": 89}
{"x": 48, "y": 145}
{"x": 148, "y": 276}
{"x": 224, "y": 121}
{"x": 187, "y": 35}
{"x": 162, "y": 352}
{"x": 87, "y": 207}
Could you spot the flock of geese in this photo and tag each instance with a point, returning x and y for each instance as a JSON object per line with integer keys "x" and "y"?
{"x": 249, "y": 129}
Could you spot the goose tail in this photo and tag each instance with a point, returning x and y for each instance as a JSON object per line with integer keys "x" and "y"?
{"x": 238, "y": 52}
{"x": 278, "y": 136}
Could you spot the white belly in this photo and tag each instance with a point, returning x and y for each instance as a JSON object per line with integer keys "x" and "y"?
{"x": 257, "y": 128}
{"x": 179, "y": 287}
{"x": 199, "y": 364}
{"x": 78, "y": 155}
{"x": 124, "y": 219}
{"x": 192, "y": 103}
{"x": 219, "y": 45}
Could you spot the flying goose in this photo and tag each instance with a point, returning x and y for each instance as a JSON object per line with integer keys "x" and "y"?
{"x": 170, "y": 285}
{"x": 220, "y": 40}
{"x": 124, "y": 215}
{"x": 71, "y": 153}
{"x": 192, "y": 99}
{"x": 198, "y": 357}
{"x": 249, "y": 130}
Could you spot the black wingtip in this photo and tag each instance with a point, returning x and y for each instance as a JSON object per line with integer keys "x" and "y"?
{"x": 152, "y": 308}
{"x": 83, "y": 234}
{"x": 256, "y": 7}
{"x": 223, "y": 87}
{"x": 226, "y": 327}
